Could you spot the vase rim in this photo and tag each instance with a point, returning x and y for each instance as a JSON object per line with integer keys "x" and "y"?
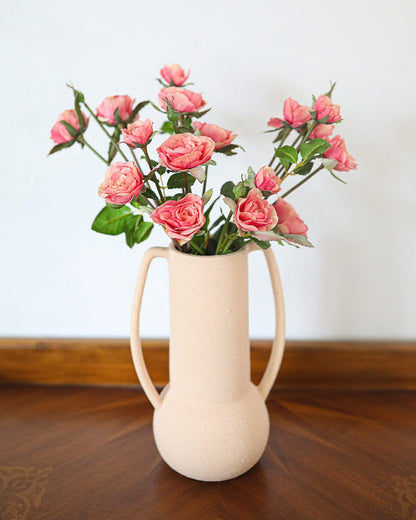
{"x": 173, "y": 250}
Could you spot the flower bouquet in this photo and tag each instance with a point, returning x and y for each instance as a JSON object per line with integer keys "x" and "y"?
{"x": 211, "y": 422}
{"x": 169, "y": 186}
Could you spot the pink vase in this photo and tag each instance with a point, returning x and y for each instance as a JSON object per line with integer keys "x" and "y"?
{"x": 210, "y": 422}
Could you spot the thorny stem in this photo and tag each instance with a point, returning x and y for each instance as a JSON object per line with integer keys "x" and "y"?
{"x": 204, "y": 187}
{"x": 81, "y": 139}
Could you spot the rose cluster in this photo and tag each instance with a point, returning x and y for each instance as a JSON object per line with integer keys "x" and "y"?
{"x": 162, "y": 188}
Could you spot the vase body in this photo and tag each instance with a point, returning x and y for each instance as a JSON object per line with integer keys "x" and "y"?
{"x": 210, "y": 422}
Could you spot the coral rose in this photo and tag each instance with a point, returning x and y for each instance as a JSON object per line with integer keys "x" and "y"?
{"x": 267, "y": 180}
{"x": 181, "y": 99}
{"x": 254, "y": 213}
{"x": 105, "y": 112}
{"x": 275, "y": 122}
{"x": 181, "y": 218}
{"x": 138, "y": 133}
{"x": 59, "y": 134}
{"x": 123, "y": 181}
{"x": 174, "y": 74}
{"x": 289, "y": 221}
{"x": 182, "y": 152}
{"x": 322, "y": 131}
{"x": 324, "y": 107}
{"x": 220, "y": 136}
{"x": 296, "y": 115}
{"x": 338, "y": 151}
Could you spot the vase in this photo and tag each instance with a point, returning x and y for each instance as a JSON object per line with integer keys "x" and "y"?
{"x": 210, "y": 422}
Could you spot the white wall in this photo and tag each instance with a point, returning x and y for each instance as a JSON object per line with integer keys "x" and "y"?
{"x": 58, "y": 278}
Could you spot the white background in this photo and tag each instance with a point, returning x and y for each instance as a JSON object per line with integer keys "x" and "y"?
{"x": 58, "y": 278}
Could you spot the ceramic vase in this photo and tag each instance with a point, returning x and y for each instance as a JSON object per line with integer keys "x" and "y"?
{"x": 210, "y": 422}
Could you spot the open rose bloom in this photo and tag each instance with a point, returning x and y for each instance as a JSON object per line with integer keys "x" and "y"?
{"x": 151, "y": 165}
{"x": 182, "y": 218}
{"x": 122, "y": 182}
{"x": 183, "y": 152}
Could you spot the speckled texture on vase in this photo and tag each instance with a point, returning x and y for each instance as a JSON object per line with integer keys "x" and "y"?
{"x": 211, "y": 422}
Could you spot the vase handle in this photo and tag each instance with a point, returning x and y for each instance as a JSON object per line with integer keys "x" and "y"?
{"x": 278, "y": 346}
{"x": 135, "y": 343}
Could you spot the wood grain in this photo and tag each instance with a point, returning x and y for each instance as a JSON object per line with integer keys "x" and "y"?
{"x": 306, "y": 364}
{"x": 331, "y": 456}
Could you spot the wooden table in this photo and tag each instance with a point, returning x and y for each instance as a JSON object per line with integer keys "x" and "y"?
{"x": 87, "y": 453}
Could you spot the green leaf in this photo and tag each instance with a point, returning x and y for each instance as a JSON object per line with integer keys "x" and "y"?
{"x": 173, "y": 115}
{"x": 299, "y": 239}
{"x": 73, "y": 132}
{"x": 149, "y": 194}
{"x": 288, "y": 153}
{"x": 198, "y": 114}
{"x": 239, "y": 190}
{"x": 111, "y": 221}
{"x": 112, "y": 149}
{"x": 81, "y": 120}
{"x": 260, "y": 243}
{"x": 136, "y": 110}
{"x": 130, "y": 226}
{"x": 167, "y": 128}
{"x": 227, "y": 190}
{"x": 143, "y": 231}
{"x": 117, "y": 117}
{"x": 177, "y": 180}
{"x": 312, "y": 148}
{"x": 229, "y": 149}
{"x": 304, "y": 170}
{"x": 61, "y": 146}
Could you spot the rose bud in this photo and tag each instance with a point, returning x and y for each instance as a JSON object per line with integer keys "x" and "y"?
{"x": 322, "y": 131}
{"x": 174, "y": 74}
{"x": 267, "y": 180}
{"x": 59, "y": 134}
{"x": 137, "y": 133}
{"x": 338, "y": 151}
{"x": 289, "y": 221}
{"x": 296, "y": 115}
{"x": 220, "y": 136}
{"x": 105, "y": 112}
{"x": 324, "y": 107}
{"x": 180, "y": 99}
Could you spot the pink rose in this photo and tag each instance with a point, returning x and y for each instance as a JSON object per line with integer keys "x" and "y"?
{"x": 324, "y": 107}
{"x": 338, "y": 151}
{"x": 322, "y": 131}
{"x": 267, "y": 180}
{"x": 123, "y": 181}
{"x": 220, "y": 136}
{"x": 105, "y": 112}
{"x": 138, "y": 133}
{"x": 180, "y": 99}
{"x": 182, "y": 152}
{"x": 181, "y": 218}
{"x": 254, "y": 213}
{"x": 275, "y": 122}
{"x": 289, "y": 221}
{"x": 296, "y": 115}
{"x": 59, "y": 134}
{"x": 175, "y": 74}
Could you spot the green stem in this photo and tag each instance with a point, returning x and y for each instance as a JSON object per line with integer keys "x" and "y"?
{"x": 204, "y": 187}
{"x": 223, "y": 231}
{"x": 196, "y": 248}
{"x": 185, "y": 174}
{"x": 81, "y": 139}
{"x": 104, "y": 129}
{"x": 149, "y": 162}
{"x": 296, "y": 186}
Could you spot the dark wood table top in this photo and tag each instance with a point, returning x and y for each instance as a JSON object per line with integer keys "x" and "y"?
{"x": 79, "y": 453}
